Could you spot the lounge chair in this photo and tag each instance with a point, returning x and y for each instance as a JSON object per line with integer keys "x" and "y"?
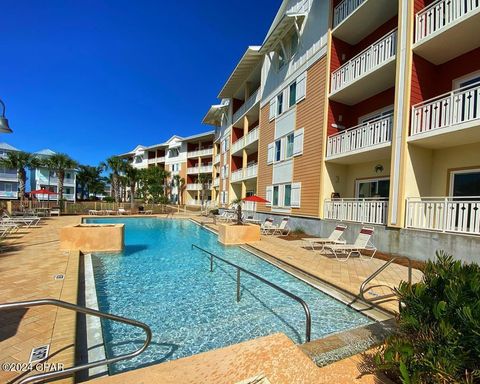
{"x": 362, "y": 243}
{"x": 334, "y": 238}
{"x": 282, "y": 228}
{"x": 123, "y": 211}
{"x": 267, "y": 227}
{"x": 26, "y": 221}
{"x": 55, "y": 211}
{"x": 93, "y": 212}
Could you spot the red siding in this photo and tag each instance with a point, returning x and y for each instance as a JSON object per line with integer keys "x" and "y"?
{"x": 381, "y": 31}
{"x": 236, "y": 163}
{"x": 339, "y": 48}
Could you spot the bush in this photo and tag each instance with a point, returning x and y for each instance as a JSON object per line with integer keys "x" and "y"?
{"x": 438, "y": 340}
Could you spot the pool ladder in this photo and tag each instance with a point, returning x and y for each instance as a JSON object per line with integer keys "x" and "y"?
{"x": 388, "y": 297}
{"x": 308, "y": 317}
{"x": 54, "y": 374}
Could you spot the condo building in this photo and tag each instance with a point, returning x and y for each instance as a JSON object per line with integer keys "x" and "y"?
{"x": 191, "y": 158}
{"x": 360, "y": 111}
{"x": 8, "y": 177}
{"x": 44, "y": 178}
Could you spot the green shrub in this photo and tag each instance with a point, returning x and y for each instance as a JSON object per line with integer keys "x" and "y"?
{"x": 438, "y": 339}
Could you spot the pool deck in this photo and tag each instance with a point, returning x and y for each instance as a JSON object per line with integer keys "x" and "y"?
{"x": 32, "y": 259}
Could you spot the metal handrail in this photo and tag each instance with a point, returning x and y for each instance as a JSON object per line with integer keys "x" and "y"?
{"x": 380, "y": 270}
{"x": 308, "y": 317}
{"x": 88, "y": 311}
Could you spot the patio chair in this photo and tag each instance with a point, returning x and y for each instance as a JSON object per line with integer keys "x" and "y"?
{"x": 282, "y": 229}
{"x": 26, "y": 221}
{"x": 55, "y": 211}
{"x": 362, "y": 243}
{"x": 267, "y": 227}
{"x": 123, "y": 211}
{"x": 334, "y": 238}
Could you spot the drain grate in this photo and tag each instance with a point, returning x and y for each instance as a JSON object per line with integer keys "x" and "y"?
{"x": 39, "y": 353}
{"x": 60, "y": 276}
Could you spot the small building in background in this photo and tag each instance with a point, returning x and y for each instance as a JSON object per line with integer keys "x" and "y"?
{"x": 8, "y": 177}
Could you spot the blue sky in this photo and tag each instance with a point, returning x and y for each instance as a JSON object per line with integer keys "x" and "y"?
{"x": 93, "y": 78}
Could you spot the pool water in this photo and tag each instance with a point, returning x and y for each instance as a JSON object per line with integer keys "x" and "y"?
{"x": 159, "y": 280}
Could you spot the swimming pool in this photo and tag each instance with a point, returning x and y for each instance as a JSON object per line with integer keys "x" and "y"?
{"x": 160, "y": 281}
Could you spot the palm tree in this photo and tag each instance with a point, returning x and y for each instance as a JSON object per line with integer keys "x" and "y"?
{"x": 87, "y": 178}
{"x": 60, "y": 163}
{"x": 180, "y": 183}
{"x": 20, "y": 161}
{"x": 204, "y": 179}
{"x": 117, "y": 165}
{"x": 133, "y": 177}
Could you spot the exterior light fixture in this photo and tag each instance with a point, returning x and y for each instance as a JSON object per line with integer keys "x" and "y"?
{"x": 4, "y": 127}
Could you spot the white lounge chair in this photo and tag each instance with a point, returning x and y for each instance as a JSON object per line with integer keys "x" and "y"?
{"x": 334, "y": 238}
{"x": 123, "y": 211}
{"x": 282, "y": 228}
{"x": 26, "y": 221}
{"x": 362, "y": 243}
{"x": 267, "y": 227}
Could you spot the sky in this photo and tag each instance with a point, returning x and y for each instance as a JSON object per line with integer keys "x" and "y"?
{"x": 94, "y": 78}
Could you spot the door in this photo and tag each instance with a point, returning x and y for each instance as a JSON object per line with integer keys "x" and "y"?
{"x": 464, "y": 205}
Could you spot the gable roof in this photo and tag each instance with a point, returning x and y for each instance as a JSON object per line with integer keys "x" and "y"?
{"x": 8, "y": 147}
{"x": 45, "y": 152}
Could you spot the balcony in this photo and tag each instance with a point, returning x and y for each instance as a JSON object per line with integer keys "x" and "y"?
{"x": 8, "y": 176}
{"x": 447, "y": 23}
{"x": 249, "y": 172}
{"x": 444, "y": 214}
{"x": 353, "y": 20}
{"x": 54, "y": 181}
{"x": 365, "y": 211}
{"x": 216, "y": 159}
{"x": 216, "y": 182}
{"x": 8, "y": 195}
{"x": 447, "y": 120}
{"x": 370, "y": 72}
{"x": 197, "y": 187}
{"x": 200, "y": 152}
{"x": 245, "y": 141}
{"x": 249, "y": 104}
{"x": 367, "y": 141}
{"x": 206, "y": 169}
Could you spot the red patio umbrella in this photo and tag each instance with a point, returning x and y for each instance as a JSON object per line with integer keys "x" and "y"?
{"x": 43, "y": 192}
{"x": 255, "y": 199}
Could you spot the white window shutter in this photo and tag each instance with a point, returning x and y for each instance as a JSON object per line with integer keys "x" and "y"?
{"x": 296, "y": 194}
{"x": 269, "y": 196}
{"x": 270, "y": 153}
{"x": 301, "y": 86}
{"x": 273, "y": 108}
{"x": 298, "y": 142}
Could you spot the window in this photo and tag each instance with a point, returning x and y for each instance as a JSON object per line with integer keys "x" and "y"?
{"x": 293, "y": 94}
{"x": 280, "y": 104}
{"x": 290, "y": 140}
{"x": 278, "y": 150}
{"x": 293, "y": 44}
{"x": 373, "y": 188}
{"x": 465, "y": 183}
{"x": 275, "y": 195}
{"x": 281, "y": 58}
{"x": 288, "y": 195}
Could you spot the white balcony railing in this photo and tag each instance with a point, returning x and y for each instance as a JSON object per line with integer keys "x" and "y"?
{"x": 345, "y": 9}
{"x": 9, "y": 176}
{"x": 444, "y": 214}
{"x": 191, "y": 170}
{"x": 194, "y": 187}
{"x": 200, "y": 152}
{"x": 216, "y": 159}
{"x": 374, "y": 132}
{"x": 250, "y": 172}
{"x": 245, "y": 173}
{"x": 366, "y": 61}
{"x": 8, "y": 195}
{"x": 249, "y": 103}
{"x": 161, "y": 159}
{"x": 236, "y": 175}
{"x": 216, "y": 182}
{"x": 252, "y": 136}
{"x": 206, "y": 169}
{"x": 238, "y": 145}
{"x": 368, "y": 211}
{"x": 301, "y": 6}
{"x": 440, "y": 14}
{"x": 459, "y": 106}
{"x": 246, "y": 140}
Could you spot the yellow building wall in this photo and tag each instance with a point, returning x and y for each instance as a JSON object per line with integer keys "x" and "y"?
{"x": 364, "y": 171}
